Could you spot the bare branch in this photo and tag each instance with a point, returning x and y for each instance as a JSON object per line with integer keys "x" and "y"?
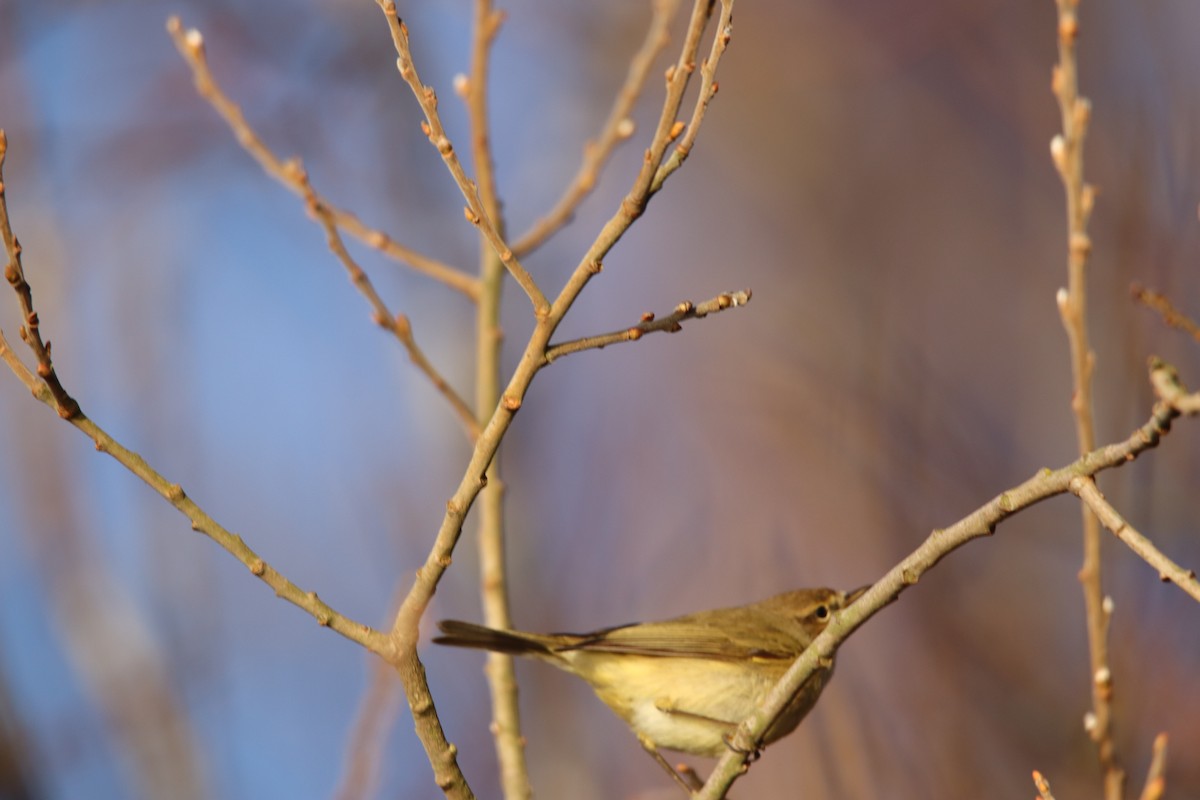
{"x": 708, "y": 90}
{"x": 1066, "y": 149}
{"x": 1156, "y": 780}
{"x": 45, "y": 387}
{"x": 396, "y": 324}
{"x": 671, "y": 324}
{"x": 475, "y": 211}
{"x": 668, "y": 129}
{"x": 30, "y": 331}
{"x": 1168, "y": 570}
{"x": 1043, "y": 786}
{"x": 1172, "y": 316}
{"x": 191, "y": 46}
{"x": 616, "y": 129}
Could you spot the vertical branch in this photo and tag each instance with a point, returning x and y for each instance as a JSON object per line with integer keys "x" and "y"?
{"x": 1067, "y": 151}
{"x": 501, "y": 677}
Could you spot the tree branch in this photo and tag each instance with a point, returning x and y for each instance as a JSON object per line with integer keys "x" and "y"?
{"x": 1043, "y": 786}
{"x": 30, "y": 331}
{"x": 1168, "y": 570}
{"x": 940, "y": 543}
{"x": 476, "y": 213}
{"x": 190, "y": 44}
{"x": 41, "y": 387}
{"x": 671, "y": 324}
{"x": 616, "y": 129}
{"x": 1156, "y": 781}
{"x": 1172, "y": 316}
{"x": 1066, "y": 149}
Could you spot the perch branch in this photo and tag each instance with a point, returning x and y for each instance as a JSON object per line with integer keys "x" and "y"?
{"x": 190, "y": 44}
{"x": 940, "y": 543}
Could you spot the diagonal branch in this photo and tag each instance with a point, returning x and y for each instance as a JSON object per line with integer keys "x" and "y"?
{"x": 940, "y": 543}
{"x": 191, "y": 46}
{"x": 475, "y": 211}
{"x": 670, "y": 323}
{"x": 30, "y": 331}
{"x": 1170, "y": 572}
{"x": 616, "y": 129}
{"x": 668, "y": 129}
{"x": 1171, "y": 316}
{"x": 1156, "y": 780}
{"x": 708, "y": 90}
{"x": 396, "y": 324}
{"x": 45, "y": 387}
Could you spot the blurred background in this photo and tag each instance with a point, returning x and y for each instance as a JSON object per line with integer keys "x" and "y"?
{"x": 877, "y": 173}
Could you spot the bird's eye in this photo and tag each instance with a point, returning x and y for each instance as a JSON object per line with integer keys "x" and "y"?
{"x": 821, "y": 612}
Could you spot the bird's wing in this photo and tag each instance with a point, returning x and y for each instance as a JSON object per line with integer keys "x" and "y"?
{"x": 682, "y": 639}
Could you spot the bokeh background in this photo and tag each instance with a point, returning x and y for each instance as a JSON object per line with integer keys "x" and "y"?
{"x": 877, "y": 172}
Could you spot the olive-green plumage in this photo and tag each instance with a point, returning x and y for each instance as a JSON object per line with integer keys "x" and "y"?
{"x": 685, "y": 683}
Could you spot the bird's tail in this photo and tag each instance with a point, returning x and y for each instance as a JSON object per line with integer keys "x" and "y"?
{"x": 468, "y": 634}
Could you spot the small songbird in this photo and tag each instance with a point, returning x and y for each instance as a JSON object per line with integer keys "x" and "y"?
{"x": 685, "y": 683}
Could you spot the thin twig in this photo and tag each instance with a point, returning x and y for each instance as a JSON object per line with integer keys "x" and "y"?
{"x": 1043, "y": 786}
{"x": 30, "y": 330}
{"x": 940, "y": 543}
{"x": 1168, "y": 570}
{"x": 708, "y": 90}
{"x": 649, "y": 324}
{"x": 616, "y": 129}
{"x": 291, "y": 173}
{"x": 634, "y": 203}
{"x": 1066, "y": 149}
{"x": 190, "y": 44}
{"x": 475, "y": 211}
{"x": 396, "y": 324}
{"x": 1156, "y": 776}
{"x": 1172, "y": 316}
{"x": 43, "y": 387}
{"x": 326, "y": 616}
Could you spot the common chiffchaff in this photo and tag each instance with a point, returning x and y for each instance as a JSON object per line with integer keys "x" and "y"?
{"x": 685, "y": 683}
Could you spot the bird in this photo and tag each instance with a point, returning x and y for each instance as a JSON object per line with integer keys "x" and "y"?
{"x": 685, "y": 683}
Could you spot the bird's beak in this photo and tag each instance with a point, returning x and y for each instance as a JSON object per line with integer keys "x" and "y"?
{"x": 854, "y": 595}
